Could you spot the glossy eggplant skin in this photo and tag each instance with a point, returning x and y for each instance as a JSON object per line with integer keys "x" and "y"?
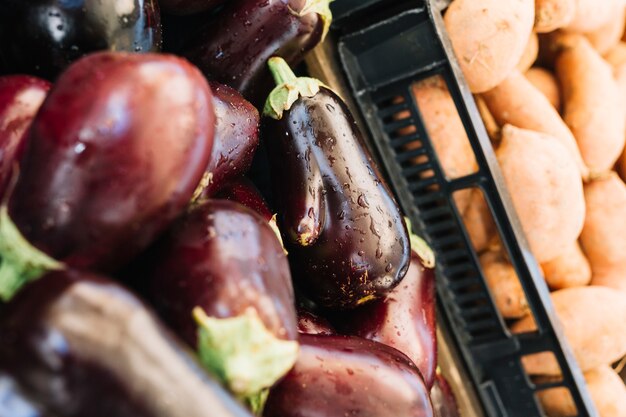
{"x": 185, "y": 7}
{"x": 444, "y": 403}
{"x": 344, "y": 232}
{"x": 234, "y": 48}
{"x": 113, "y": 156}
{"x": 403, "y": 319}
{"x": 310, "y": 323}
{"x": 42, "y": 37}
{"x": 20, "y": 99}
{"x": 244, "y": 192}
{"x": 236, "y": 138}
{"x": 225, "y": 259}
{"x": 81, "y": 345}
{"x": 345, "y": 376}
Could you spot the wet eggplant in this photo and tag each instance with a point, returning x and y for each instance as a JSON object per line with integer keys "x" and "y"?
{"x": 349, "y": 376}
{"x": 20, "y": 99}
{"x": 404, "y": 318}
{"x": 234, "y": 47}
{"x": 83, "y": 346}
{"x": 113, "y": 156}
{"x": 244, "y": 192}
{"x": 220, "y": 278}
{"x": 236, "y": 138}
{"x": 42, "y": 37}
{"x": 442, "y": 398}
{"x": 310, "y": 323}
{"x": 344, "y": 232}
{"x": 185, "y": 7}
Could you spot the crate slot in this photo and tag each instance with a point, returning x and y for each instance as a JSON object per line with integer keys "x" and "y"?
{"x": 416, "y": 169}
{"x": 400, "y": 142}
{"x": 410, "y": 154}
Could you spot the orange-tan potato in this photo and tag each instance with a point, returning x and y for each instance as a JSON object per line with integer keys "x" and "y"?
{"x": 546, "y": 83}
{"x": 553, "y": 14}
{"x": 530, "y": 53}
{"x": 606, "y": 388}
{"x": 517, "y": 102}
{"x": 479, "y": 222}
{"x": 592, "y": 319}
{"x": 592, "y": 14}
{"x": 592, "y": 103}
{"x": 616, "y": 56}
{"x": 603, "y": 238}
{"x": 608, "y": 35}
{"x": 504, "y": 285}
{"x": 545, "y": 186}
{"x": 489, "y": 37}
{"x": 492, "y": 127}
{"x": 570, "y": 269}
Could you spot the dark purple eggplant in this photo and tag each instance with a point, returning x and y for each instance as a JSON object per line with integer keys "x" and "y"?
{"x": 220, "y": 278}
{"x": 20, "y": 99}
{"x": 442, "y": 398}
{"x": 113, "y": 156}
{"x": 236, "y": 139}
{"x": 349, "y": 376}
{"x": 234, "y": 47}
{"x": 344, "y": 232}
{"x": 42, "y": 37}
{"x": 244, "y": 192}
{"x": 404, "y": 318}
{"x": 13, "y": 402}
{"x": 185, "y": 7}
{"x": 310, "y": 323}
{"x": 83, "y": 346}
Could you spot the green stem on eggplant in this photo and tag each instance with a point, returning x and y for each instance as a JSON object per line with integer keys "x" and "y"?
{"x": 421, "y": 247}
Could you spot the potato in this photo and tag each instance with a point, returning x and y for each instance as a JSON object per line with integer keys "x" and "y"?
{"x": 616, "y": 56}
{"x": 606, "y": 388}
{"x": 609, "y": 34}
{"x": 544, "y": 81}
{"x": 553, "y": 14}
{"x": 592, "y": 105}
{"x": 492, "y": 127}
{"x": 488, "y": 38}
{"x": 592, "y": 14}
{"x": 504, "y": 284}
{"x": 545, "y": 187}
{"x": 603, "y": 238}
{"x": 517, "y": 102}
{"x": 592, "y": 319}
{"x": 570, "y": 269}
{"x": 479, "y": 222}
{"x": 530, "y": 53}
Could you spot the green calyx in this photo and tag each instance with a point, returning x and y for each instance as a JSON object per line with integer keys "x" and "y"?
{"x": 288, "y": 88}
{"x": 21, "y": 262}
{"x": 419, "y": 246}
{"x": 245, "y": 356}
{"x": 322, "y": 8}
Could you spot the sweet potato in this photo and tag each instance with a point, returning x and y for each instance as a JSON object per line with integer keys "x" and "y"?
{"x": 609, "y": 34}
{"x": 603, "y": 238}
{"x": 489, "y": 37}
{"x": 591, "y": 14}
{"x": 570, "y": 269}
{"x": 504, "y": 285}
{"x": 492, "y": 127}
{"x": 546, "y": 83}
{"x": 592, "y": 105}
{"x": 517, "y": 102}
{"x": 530, "y": 53}
{"x": 616, "y": 56}
{"x": 479, "y": 222}
{"x": 553, "y": 14}
{"x": 592, "y": 318}
{"x": 606, "y": 388}
{"x": 545, "y": 187}
{"x": 446, "y": 131}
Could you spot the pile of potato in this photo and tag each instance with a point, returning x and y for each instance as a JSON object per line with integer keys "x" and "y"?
{"x": 549, "y": 77}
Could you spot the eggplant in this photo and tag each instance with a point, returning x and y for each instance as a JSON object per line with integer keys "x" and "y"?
{"x": 349, "y": 376}
{"x": 20, "y": 99}
{"x": 42, "y": 37}
{"x": 310, "y": 323}
{"x": 404, "y": 318}
{"x": 113, "y": 156}
{"x": 13, "y": 402}
{"x": 186, "y": 7}
{"x": 220, "y": 278}
{"x": 234, "y": 47}
{"x": 344, "y": 232}
{"x": 442, "y": 398}
{"x": 83, "y": 346}
{"x": 236, "y": 139}
{"x": 244, "y": 192}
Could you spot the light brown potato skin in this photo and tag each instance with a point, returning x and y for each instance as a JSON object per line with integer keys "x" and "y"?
{"x": 544, "y": 81}
{"x": 479, "y": 222}
{"x": 603, "y": 238}
{"x": 608, "y": 35}
{"x": 530, "y": 53}
{"x": 592, "y": 104}
{"x": 517, "y": 102}
{"x": 592, "y": 14}
{"x": 504, "y": 285}
{"x": 492, "y": 127}
{"x": 606, "y": 388}
{"x": 570, "y": 269}
{"x": 592, "y": 319}
{"x": 488, "y": 38}
{"x": 616, "y": 56}
{"x": 553, "y": 14}
{"x": 545, "y": 186}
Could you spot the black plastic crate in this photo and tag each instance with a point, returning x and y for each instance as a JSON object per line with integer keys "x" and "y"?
{"x": 383, "y": 47}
